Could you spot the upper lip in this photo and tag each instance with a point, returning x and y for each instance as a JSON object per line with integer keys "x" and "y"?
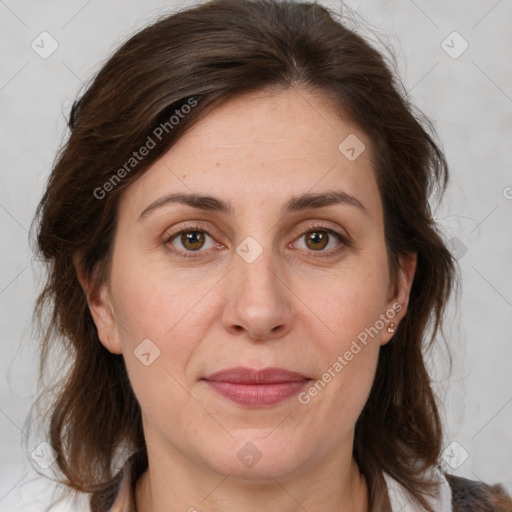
{"x": 242, "y": 375}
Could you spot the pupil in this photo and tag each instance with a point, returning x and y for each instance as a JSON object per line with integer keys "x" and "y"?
{"x": 318, "y": 239}
{"x": 192, "y": 239}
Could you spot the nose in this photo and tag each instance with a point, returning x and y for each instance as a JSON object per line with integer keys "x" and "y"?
{"x": 258, "y": 300}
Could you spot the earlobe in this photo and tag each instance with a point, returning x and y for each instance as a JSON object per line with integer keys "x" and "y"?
{"x": 399, "y": 295}
{"x": 100, "y": 306}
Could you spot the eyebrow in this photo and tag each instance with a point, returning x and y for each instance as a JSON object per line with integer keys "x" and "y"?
{"x": 296, "y": 203}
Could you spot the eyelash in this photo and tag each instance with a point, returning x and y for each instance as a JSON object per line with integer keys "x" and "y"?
{"x": 344, "y": 242}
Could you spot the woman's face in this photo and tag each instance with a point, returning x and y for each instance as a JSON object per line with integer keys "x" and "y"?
{"x": 282, "y": 264}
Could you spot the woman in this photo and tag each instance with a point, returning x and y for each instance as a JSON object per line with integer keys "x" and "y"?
{"x": 244, "y": 267}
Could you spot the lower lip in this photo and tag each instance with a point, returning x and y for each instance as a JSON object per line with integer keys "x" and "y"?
{"x": 257, "y": 395}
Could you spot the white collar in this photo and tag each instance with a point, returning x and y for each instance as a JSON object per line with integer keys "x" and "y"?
{"x": 403, "y": 501}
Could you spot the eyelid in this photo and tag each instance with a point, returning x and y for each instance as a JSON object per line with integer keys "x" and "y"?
{"x": 322, "y": 224}
{"x": 189, "y": 226}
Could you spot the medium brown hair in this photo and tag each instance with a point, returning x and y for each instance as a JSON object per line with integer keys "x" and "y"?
{"x": 209, "y": 54}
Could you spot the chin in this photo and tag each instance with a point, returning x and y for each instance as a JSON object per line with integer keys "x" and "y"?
{"x": 259, "y": 458}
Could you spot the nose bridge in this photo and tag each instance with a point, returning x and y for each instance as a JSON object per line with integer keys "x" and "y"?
{"x": 258, "y": 302}
{"x": 257, "y": 279}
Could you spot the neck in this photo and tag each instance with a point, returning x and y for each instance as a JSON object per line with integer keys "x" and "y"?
{"x": 175, "y": 487}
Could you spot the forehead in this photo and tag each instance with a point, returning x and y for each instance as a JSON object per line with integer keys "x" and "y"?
{"x": 264, "y": 147}
{"x": 293, "y": 124}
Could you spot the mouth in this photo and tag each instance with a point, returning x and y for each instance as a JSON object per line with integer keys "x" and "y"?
{"x": 256, "y": 388}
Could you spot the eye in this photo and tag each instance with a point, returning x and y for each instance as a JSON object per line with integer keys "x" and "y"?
{"x": 321, "y": 240}
{"x": 190, "y": 240}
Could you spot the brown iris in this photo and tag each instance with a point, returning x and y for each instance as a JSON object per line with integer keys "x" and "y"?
{"x": 192, "y": 240}
{"x": 317, "y": 239}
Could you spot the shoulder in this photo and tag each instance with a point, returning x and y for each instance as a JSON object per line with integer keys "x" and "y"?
{"x": 474, "y": 496}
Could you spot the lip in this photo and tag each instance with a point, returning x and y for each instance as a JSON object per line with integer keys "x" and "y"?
{"x": 256, "y": 388}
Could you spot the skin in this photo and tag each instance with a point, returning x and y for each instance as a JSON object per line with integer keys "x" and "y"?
{"x": 291, "y": 308}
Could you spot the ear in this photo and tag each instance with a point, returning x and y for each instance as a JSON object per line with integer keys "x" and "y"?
{"x": 398, "y": 297}
{"x": 100, "y": 306}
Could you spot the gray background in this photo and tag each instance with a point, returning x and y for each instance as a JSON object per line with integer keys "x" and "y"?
{"x": 469, "y": 98}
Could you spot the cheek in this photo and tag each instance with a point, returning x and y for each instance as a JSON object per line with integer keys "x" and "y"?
{"x": 350, "y": 302}
{"x": 167, "y": 320}
{"x": 151, "y": 301}
{"x": 174, "y": 312}
{"x": 350, "y": 310}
